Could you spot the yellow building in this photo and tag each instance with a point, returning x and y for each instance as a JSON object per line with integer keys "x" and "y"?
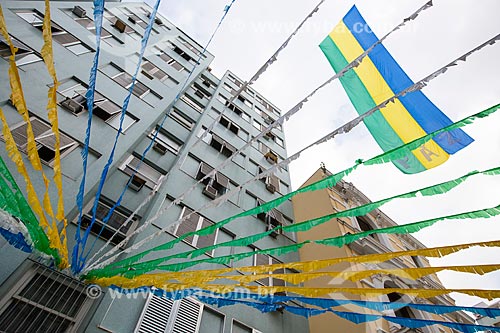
{"x": 344, "y": 196}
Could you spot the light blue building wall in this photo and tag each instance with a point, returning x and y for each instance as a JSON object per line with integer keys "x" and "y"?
{"x": 36, "y": 299}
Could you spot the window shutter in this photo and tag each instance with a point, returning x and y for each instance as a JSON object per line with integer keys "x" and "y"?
{"x": 208, "y": 240}
{"x": 155, "y": 316}
{"x": 205, "y": 169}
{"x": 188, "y": 225}
{"x": 222, "y": 180}
{"x": 188, "y": 317}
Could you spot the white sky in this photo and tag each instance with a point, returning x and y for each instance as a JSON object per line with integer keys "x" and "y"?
{"x": 254, "y": 29}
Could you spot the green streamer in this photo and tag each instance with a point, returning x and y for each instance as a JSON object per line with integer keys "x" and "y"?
{"x": 13, "y": 202}
{"x": 408, "y": 228}
{"x": 307, "y": 225}
{"x": 330, "y": 181}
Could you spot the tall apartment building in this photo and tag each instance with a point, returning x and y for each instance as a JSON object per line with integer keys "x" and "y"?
{"x": 35, "y": 298}
{"x": 344, "y": 196}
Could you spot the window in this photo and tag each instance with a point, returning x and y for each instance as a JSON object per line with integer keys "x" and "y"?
{"x": 119, "y": 25}
{"x": 245, "y": 101}
{"x": 211, "y": 321}
{"x": 167, "y": 316}
{"x": 73, "y": 99}
{"x": 184, "y": 55}
{"x": 146, "y": 174}
{"x": 216, "y": 185}
{"x": 279, "y": 141}
{"x": 172, "y": 62}
{"x": 228, "y": 88}
{"x": 365, "y": 225}
{"x": 257, "y": 125}
{"x": 79, "y": 15}
{"x": 165, "y": 142}
{"x": 235, "y": 81}
{"x": 44, "y": 300}
{"x": 44, "y": 138}
{"x": 238, "y": 327}
{"x": 193, "y": 223}
{"x": 124, "y": 79}
{"x": 151, "y": 72}
{"x": 272, "y": 182}
{"x": 24, "y": 54}
{"x": 264, "y": 259}
{"x": 115, "y": 224}
{"x": 60, "y": 35}
{"x": 229, "y": 125}
{"x": 190, "y": 46}
{"x": 273, "y": 218}
{"x": 217, "y": 143}
{"x": 192, "y": 103}
{"x": 243, "y": 134}
{"x": 182, "y": 119}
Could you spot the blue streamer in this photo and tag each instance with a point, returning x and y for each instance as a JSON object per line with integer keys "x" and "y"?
{"x": 98, "y": 15}
{"x": 155, "y": 135}
{"x": 355, "y": 317}
{"x": 144, "y": 43}
{"x": 17, "y": 240}
{"x": 323, "y": 303}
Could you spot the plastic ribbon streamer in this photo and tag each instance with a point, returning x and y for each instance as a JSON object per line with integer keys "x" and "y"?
{"x": 326, "y": 183}
{"x": 354, "y": 212}
{"x": 148, "y": 148}
{"x": 341, "y": 130}
{"x": 15, "y": 232}
{"x": 48, "y": 58}
{"x": 297, "y": 278}
{"x": 98, "y": 15}
{"x": 15, "y": 155}
{"x": 271, "y": 126}
{"x": 13, "y": 203}
{"x": 355, "y": 317}
{"x": 322, "y": 303}
{"x": 279, "y": 121}
{"x": 19, "y": 102}
{"x": 304, "y": 266}
{"x": 144, "y": 43}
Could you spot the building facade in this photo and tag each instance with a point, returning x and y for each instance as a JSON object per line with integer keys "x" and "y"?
{"x": 343, "y": 196}
{"x": 35, "y": 298}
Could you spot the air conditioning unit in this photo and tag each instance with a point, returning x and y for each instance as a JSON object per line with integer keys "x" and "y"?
{"x": 160, "y": 148}
{"x": 137, "y": 183}
{"x": 79, "y": 11}
{"x": 71, "y": 105}
{"x": 210, "y": 192}
{"x": 120, "y": 25}
{"x": 270, "y": 187}
{"x": 271, "y": 157}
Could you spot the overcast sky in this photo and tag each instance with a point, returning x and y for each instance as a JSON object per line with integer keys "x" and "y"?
{"x": 255, "y": 29}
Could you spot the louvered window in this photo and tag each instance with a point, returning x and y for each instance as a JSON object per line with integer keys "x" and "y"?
{"x": 161, "y": 315}
{"x": 218, "y": 181}
{"x": 195, "y": 222}
{"x": 60, "y": 35}
{"x": 24, "y": 54}
{"x": 115, "y": 227}
{"x": 149, "y": 175}
{"x": 44, "y": 139}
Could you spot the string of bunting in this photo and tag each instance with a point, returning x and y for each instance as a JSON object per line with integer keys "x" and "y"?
{"x": 303, "y": 266}
{"x": 157, "y": 130}
{"x": 344, "y": 129}
{"x": 48, "y": 58}
{"x": 89, "y": 96}
{"x": 322, "y": 184}
{"x": 105, "y": 170}
{"x": 355, "y": 212}
{"x": 276, "y": 123}
{"x": 19, "y": 102}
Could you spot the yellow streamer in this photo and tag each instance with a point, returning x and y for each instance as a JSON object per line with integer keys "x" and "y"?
{"x": 20, "y": 104}
{"x": 47, "y": 55}
{"x": 15, "y": 155}
{"x": 297, "y": 278}
{"x": 308, "y": 292}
